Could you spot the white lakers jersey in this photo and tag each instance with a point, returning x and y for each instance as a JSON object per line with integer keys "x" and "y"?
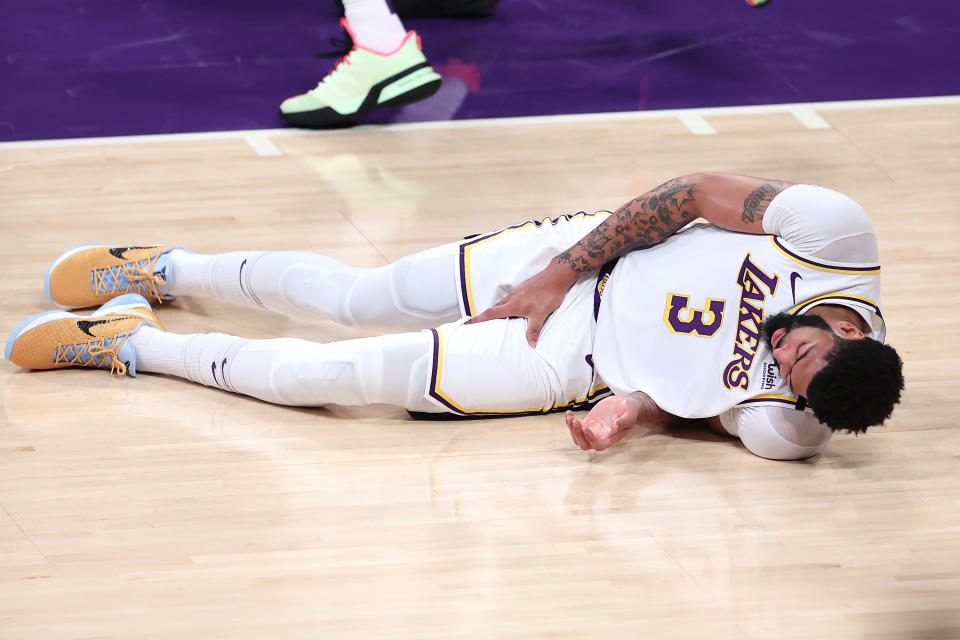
{"x": 680, "y": 321}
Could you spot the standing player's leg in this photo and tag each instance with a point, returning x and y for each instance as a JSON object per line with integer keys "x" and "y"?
{"x": 374, "y": 24}
{"x": 383, "y": 66}
{"x": 414, "y": 292}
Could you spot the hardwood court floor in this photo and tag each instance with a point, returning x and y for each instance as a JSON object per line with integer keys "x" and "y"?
{"x": 155, "y": 508}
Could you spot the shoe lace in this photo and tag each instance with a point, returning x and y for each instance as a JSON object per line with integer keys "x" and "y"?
{"x": 141, "y": 278}
{"x": 73, "y": 353}
{"x": 343, "y": 46}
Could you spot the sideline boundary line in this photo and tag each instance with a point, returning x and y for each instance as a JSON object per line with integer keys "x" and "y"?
{"x": 806, "y": 112}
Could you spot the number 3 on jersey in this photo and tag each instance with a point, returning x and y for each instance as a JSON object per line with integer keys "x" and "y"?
{"x": 680, "y": 317}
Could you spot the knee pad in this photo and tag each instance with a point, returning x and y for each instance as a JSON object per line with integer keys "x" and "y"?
{"x": 336, "y": 373}
{"x": 390, "y": 369}
{"x": 424, "y": 285}
{"x": 313, "y": 289}
{"x": 417, "y": 398}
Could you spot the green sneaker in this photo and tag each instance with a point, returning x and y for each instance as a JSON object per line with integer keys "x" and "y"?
{"x": 364, "y": 80}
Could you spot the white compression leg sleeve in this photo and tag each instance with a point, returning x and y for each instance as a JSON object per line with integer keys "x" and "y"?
{"x": 415, "y": 292}
{"x": 391, "y": 369}
{"x": 374, "y": 25}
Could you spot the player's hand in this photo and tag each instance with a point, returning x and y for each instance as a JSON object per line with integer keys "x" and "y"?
{"x": 607, "y": 423}
{"x": 534, "y": 299}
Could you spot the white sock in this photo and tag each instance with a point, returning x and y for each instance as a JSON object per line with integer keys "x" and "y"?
{"x": 374, "y": 26}
{"x": 221, "y": 275}
{"x": 369, "y": 6}
{"x": 290, "y": 282}
{"x": 205, "y": 358}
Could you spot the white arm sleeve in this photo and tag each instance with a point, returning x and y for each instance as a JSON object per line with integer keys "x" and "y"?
{"x": 777, "y": 433}
{"x": 823, "y": 223}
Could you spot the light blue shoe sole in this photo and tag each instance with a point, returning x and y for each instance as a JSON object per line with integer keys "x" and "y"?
{"x": 25, "y": 325}
{"x": 79, "y": 247}
{"x": 60, "y": 258}
{"x": 127, "y": 302}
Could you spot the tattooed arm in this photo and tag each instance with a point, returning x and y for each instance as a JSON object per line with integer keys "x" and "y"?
{"x": 729, "y": 201}
{"x": 733, "y": 202}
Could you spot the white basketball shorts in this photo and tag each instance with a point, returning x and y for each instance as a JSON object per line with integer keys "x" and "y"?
{"x": 488, "y": 368}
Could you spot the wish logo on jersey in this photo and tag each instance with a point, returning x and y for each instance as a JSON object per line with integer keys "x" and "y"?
{"x": 755, "y": 286}
{"x": 769, "y": 376}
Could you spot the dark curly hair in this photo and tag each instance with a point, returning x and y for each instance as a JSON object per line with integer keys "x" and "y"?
{"x": 858, "y": 387}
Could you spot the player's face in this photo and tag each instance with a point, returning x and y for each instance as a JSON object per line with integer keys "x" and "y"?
{"x": 800, "y": 344}
{"x": 801, "y": 351}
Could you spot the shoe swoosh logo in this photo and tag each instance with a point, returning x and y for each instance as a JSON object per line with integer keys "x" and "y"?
{"x": 117, "y": 252}
{"x": 84, "y": 325}
{"x": 794, "y": 276}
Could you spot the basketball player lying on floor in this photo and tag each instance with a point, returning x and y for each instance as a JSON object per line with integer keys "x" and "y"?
{"x": 657, "y": 319}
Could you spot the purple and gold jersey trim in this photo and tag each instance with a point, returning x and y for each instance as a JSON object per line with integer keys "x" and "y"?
{"x": 771, "y": 398}
{"x": 436, "y": 372}
{"x": 466, "y": 288}
{"x": 821, "y": 266}
{"x": 839, "y": 298}
{"x": 602, "y": 278}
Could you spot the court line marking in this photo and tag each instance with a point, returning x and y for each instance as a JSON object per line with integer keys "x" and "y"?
{"x": 488, "y": 122}
{"x": 809, "y": 117}
{"x": 262, "y": 144}
{"x": 697, "y": 124}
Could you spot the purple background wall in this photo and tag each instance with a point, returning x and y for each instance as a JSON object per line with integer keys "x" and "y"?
{"x": 78, "y": 68}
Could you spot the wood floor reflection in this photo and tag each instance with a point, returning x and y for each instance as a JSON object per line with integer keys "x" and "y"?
{"x": 156, "y": 508}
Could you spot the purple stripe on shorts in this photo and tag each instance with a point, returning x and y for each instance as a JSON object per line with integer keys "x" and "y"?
{"x": 464, "y": 294}
{"x": 434, "y": 374}
{"x": 463, "y": 282}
